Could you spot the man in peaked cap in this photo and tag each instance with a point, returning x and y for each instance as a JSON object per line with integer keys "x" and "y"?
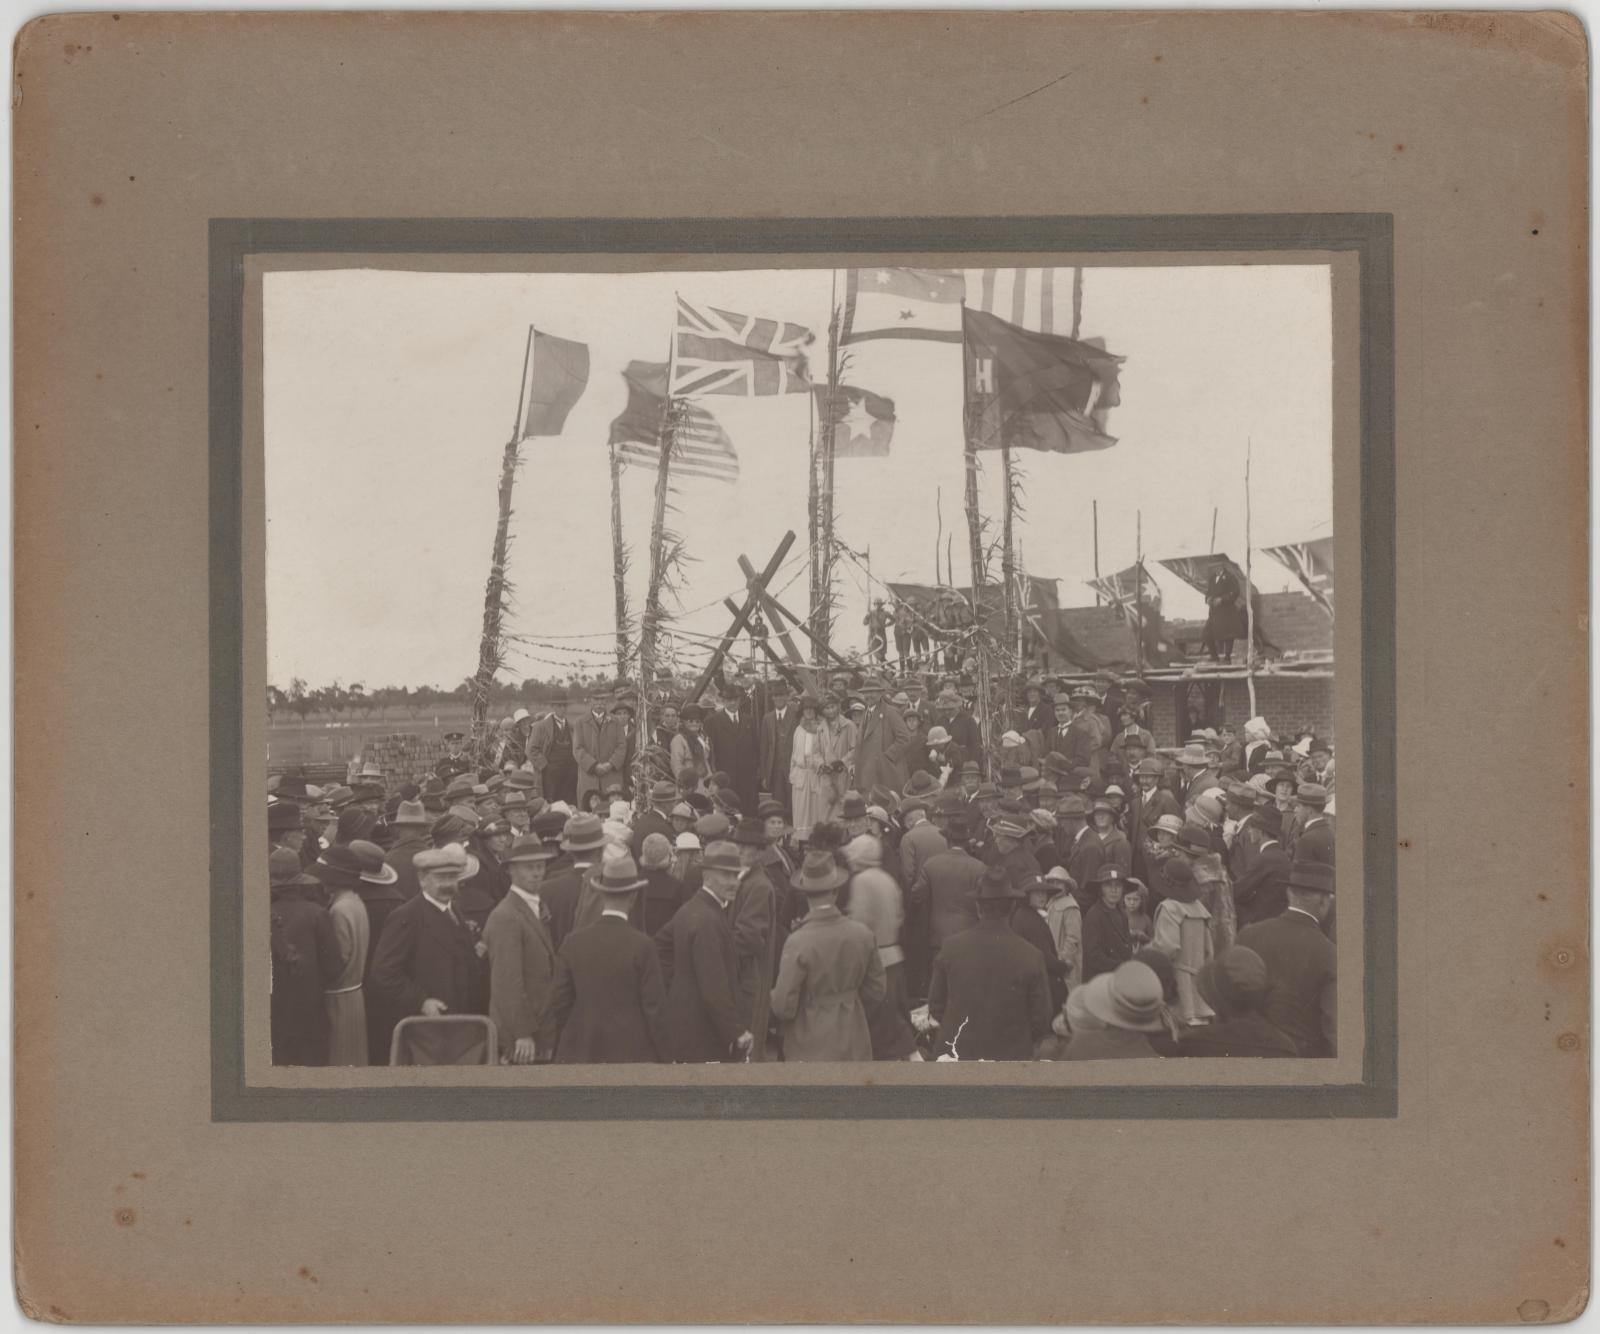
{"x": 522, "y": 959}
{"x": 426, "y": 962}
{"x": 1302, "y": 964}
{"x": 609, "y": 998}
{"x": 455, "y": 760}
{"x": 990, "y": 993}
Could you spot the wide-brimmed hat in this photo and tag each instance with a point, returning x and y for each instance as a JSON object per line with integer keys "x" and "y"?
{"x": 712, "y": 827}
{"x": 1313, "y": 876}
{"x": 938, "y": 736}
{"x": 721, "y": 856}
{"x": 521, "y": 780}
{"x": 1042, "y": 820}
{"x": 374, "y": 870}
{"x": 1151, "y": 768}
{"x": 531, "y": 848}
{"x": 410, "y": 812}
{"x": 1073, "y": 804}
{"x": 1311, "y": 794}
{"x": 617, "y": 875}
{"x": 1194, "y": 755}
{"x": 1169, "y": 824}
{"x": 1129, "y": 998}
{"x": 663, "y": 790}
{"x": 338, "y": 796}
{"x": 1195, "y": 839}
{"x": 1058, "y": 876}
{"x": 996, "y": 886}
{"x": 1209, "y": 806}
{"x": 583, "y": 833}
{"x": 688, "y": 841}
{"x": 921, "y": 784}
{"x": 819, "y": 873}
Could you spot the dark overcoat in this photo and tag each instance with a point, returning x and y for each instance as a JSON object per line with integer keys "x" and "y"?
{"x": 1302, "y": 973}
{"x": 990, "y": 994}
{"x": 609, "y": 998}
{"x": 305, "y": 961}
{"x": 700, "y": 965}
{"x": 949, "y": 884}
{"x": 425, "y": 954}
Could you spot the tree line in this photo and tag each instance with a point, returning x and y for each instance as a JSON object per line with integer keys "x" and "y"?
{"x": 336, "y": 700}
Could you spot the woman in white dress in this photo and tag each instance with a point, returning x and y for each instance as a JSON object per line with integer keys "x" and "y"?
{"x": 807, "y": 782}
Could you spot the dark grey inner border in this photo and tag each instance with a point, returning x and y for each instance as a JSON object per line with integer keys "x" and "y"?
{"x": 1370, "y": 235}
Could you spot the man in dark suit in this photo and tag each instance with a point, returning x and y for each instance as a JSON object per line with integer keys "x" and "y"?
{"x": 582, "y": 839}
{"x": 1085, "y": 740}
{"x": 990, "y": 994}
{"x": 777, "y": 744}
{"x": 948, "y": 881}
{"x": 522, "y": 960}
{"x": 700, "y": 963}
{"x": 656, "y": 820}
{"x": 1313, "y": 839}
{"x": 731, "y": 730}
{"x": 1302, "y": 971}
{"x": 426, "y": 961}
{"x": 609, "y": 999}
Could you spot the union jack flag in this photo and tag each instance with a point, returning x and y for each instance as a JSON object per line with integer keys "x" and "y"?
{"x": 719, "y": 352}
{"x": 1312, "y": 564}
{"x": 1120, "y": 589}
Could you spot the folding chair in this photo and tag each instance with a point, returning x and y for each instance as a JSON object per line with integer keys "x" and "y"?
{"x": 449, "y": 1039}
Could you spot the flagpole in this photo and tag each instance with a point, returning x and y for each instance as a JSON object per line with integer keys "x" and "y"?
{"x": 1095, "y": 504}
{"x": 619, "y": 563}
{"x": 814, "y": 509}
{"x": 1008, "y": 565}
{"x": 829, "y": 443}
{"x": 1077, "y": 299}
{"x": 975, "y": 542}
{"x": 650, "y": 621}
{"x": 1249, "y": 602}
{"x": 494, "y": 596}
{"x": 1138, "y": 591}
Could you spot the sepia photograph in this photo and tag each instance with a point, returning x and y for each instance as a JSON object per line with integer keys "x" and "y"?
{"x": 771, "y": 665}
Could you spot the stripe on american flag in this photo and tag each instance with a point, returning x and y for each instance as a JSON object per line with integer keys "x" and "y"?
{"x": 703, "y": 449}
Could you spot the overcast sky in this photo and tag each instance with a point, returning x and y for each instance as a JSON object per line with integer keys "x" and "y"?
{"x": 389, "y": 398}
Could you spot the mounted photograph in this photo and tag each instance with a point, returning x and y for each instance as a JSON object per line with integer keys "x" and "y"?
{"x": 758, "y": 666}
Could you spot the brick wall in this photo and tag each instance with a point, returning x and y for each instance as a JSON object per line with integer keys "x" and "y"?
{"x": 1286, "y": 702}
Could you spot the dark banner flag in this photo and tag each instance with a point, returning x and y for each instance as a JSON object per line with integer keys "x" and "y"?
{"x": 704, "y": 449}
{"x": 1027, "y": 390}
{"x": 1312, "y": 564}
{"x": 863, "y": 422}
{"x": 555, "y": 374}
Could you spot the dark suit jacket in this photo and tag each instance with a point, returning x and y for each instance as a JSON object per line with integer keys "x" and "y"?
{"x": 1314, "y": 842}
{"x": 1106, "y": 941}
{"x": 992, "y": 981}
{"x": 1302, "y": 973}
{"x": 736, "y": 751}
{"x": 423, "y": 955}
{"x": 949, "y": 882}
{"x": 700, "y": 965}
{"x": 776, "y": 745}
{"x": 522, "y": 966}
{"x": 1239, "y": 1035}
{"x": 651, "y": 822}
{"x": 559, "y": 893}
{"x": 1027, "y": 923}
{"x": 609, "y": 998}
{"x": 1262, "y": 892}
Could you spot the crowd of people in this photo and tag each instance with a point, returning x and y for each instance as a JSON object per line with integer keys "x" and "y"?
{"x": 846, "y": 877}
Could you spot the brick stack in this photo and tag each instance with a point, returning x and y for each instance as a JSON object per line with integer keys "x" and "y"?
{"x": 404, "y": 757}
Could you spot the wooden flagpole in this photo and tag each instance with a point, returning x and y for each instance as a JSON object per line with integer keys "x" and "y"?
{"x": 975, "y": 543}
{"x": 650, "y": 620}
{"x": 619, "y": 564}
{"x": 1249, "y": 602}
{"x": 1095, "y": 505}
{"x": 489, "y": 647}
{"x": 1008, "y": 563}
{"x": 1138, "y": 591}
{"x": 823, "y": 608}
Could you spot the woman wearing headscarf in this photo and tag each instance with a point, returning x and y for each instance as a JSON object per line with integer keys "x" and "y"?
{"x": 810, "y": 788}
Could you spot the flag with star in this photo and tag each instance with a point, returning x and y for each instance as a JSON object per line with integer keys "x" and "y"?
{"x": 863, "y": 422}
{"x": 902, "y": 303}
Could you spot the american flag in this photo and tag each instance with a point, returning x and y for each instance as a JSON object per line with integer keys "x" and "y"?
{"x": 720, "y": 352}
{"x": 703, "y": 448}
{"x": 1312, "y": 564}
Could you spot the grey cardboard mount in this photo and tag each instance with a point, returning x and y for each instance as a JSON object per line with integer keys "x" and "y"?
{"x": 1437, "y": 162}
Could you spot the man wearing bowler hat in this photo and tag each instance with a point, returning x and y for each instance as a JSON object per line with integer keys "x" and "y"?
{"x": 522, "y": 959}
{"x": 990, "y": 994}
{"x": 609, "y": 999}
{"x": 1302, "y": 971}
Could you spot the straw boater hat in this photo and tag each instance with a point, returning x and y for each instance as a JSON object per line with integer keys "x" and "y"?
{"x": 820, "y": 873}
{"x": 1128, "y": 998}
{"x": 531, "y": 848}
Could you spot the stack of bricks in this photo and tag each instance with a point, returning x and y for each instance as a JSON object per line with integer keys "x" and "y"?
{"x": 404, "y": 757}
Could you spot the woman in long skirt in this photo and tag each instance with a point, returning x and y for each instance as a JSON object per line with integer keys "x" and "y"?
{"x": 808, "y": 784}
